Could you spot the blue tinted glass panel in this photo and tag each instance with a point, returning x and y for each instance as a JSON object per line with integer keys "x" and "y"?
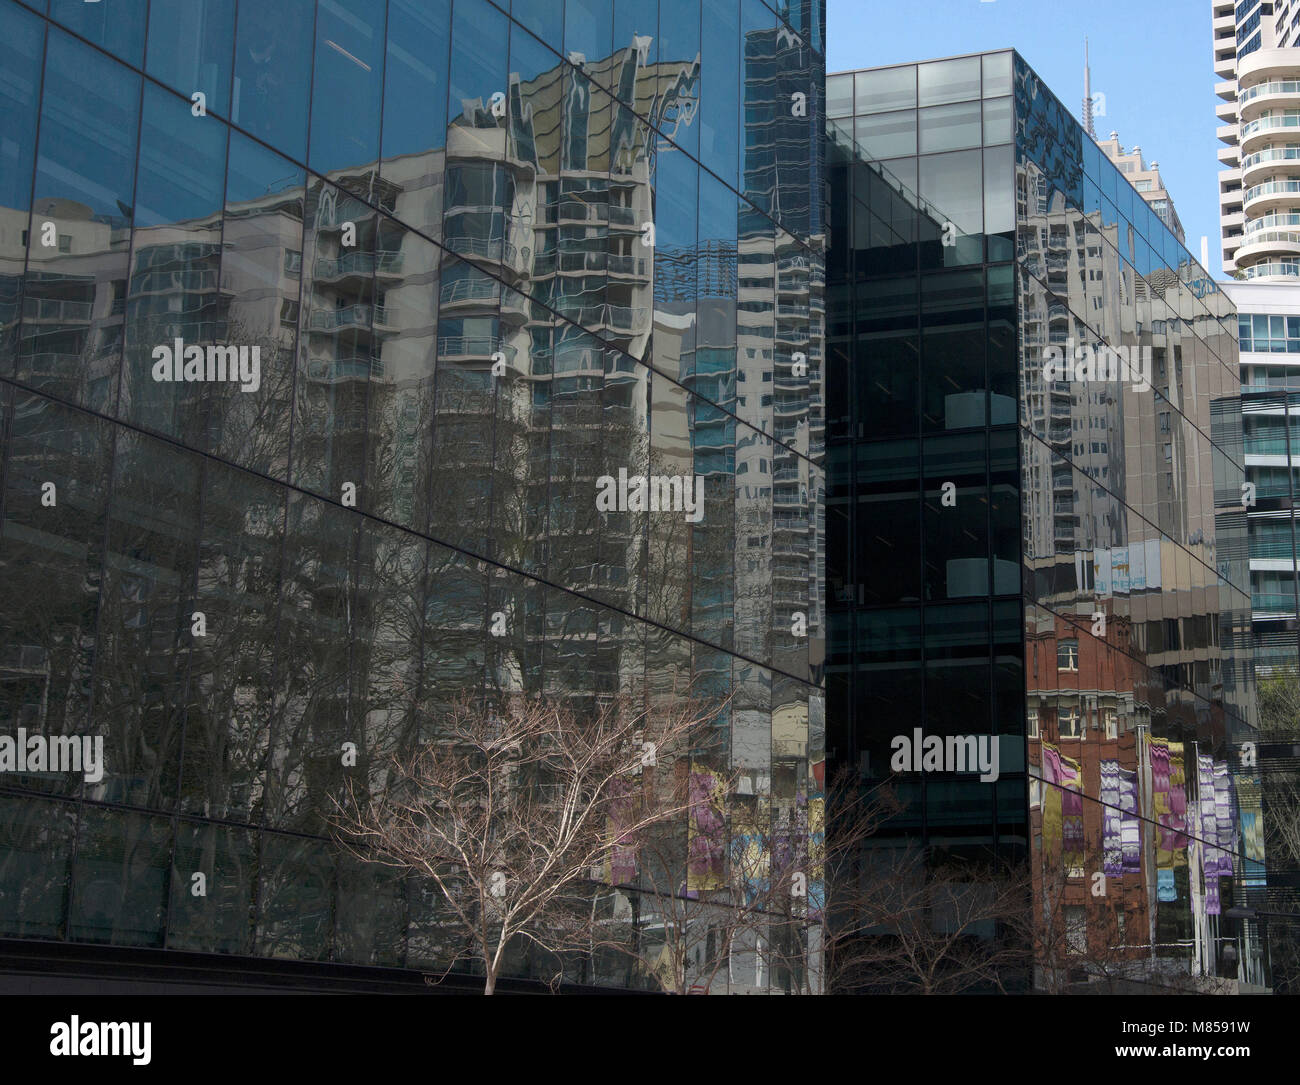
{"x": 415, "y": 73}
{"x": 115, "y": 25}
{"x": 273, "y": 72}
{"x": 190, "y": 47}
{"x": 545, "y": 18}
{"x": 348, "y": 84}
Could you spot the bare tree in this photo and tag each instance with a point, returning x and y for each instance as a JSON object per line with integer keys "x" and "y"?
{"x": 908, "y": 922}
{"x": 515, "y": 817}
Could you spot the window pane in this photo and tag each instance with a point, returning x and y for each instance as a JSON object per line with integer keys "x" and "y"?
{"x": 174, "y": 288}
{"x": 887, "y": 135}
{"x": 347, "y": 85}
{"x": 949, "y": 81}
{"x": 85, "y": 178}
{"x": 997, "y": 120}
{"x": 120, "y": 878}
{"x": 415, "y": 106}
{"x": 35, "y": 851}
{"x": 23, "y": 36}
{"x": 260, "y": 270}
{"x": 116, "y": 25}
{"x": 950, "y": 127}
{"x": 892, "y": 88}
{"x": 273, "y": 72}
{"x": 190, "y": 44}
{"x": 839, "y": 96}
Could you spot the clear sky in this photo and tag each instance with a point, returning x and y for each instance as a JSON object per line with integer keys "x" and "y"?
{"x": 1153, "y": 60}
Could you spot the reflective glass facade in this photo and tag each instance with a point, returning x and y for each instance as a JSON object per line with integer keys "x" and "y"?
{"x": 487, "y": 253}
{"x": 1082, "y": 587}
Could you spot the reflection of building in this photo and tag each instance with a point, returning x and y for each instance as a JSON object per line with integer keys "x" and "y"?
{"x": 1082, "y": 591}
{"x": 1145, "y": 180}
{"x": 464, "y": 320}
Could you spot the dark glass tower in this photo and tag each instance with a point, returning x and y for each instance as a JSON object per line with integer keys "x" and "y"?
{"x": 1080, "y": 587}
{"x": 486, "y": 253}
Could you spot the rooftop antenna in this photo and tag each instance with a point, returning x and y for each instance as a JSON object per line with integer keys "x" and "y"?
{"x": 1087, "y": 93}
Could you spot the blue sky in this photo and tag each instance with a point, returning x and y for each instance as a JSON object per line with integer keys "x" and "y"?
{"x": 1153, "y": 59}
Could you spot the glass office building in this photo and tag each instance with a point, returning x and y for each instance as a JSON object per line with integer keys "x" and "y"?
{"x": 1031, "y": 376}
{"x": 480, "y": 254}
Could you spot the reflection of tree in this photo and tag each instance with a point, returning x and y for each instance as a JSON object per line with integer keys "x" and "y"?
{"x": 1099, "y": 942}
{"x": 513, "y": 815}
{"x": 1279, "y": 713}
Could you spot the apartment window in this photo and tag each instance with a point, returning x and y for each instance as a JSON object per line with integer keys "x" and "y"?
{"x": 1067, "y": 655}
{"x": 1070, "y": 725}
{"x": 65, "y": 243}
{"x": 1111, "y": 719}
{"x": 1076, "y": 928}
{"x": 1033, "y": 723}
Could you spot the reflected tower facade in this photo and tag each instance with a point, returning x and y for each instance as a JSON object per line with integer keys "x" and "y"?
{"x": 488, "y": 253}
{"x": 1081, "y": 588}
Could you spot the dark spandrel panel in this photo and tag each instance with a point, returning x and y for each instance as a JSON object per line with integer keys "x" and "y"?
{"x": 415, "y": 109}
{"x": 318, "y": 622}
{"x": 571, "y": 630}
{"x": 454, "y": 642}
{"x": 35, "y": 857}
{"x": 190, "y": 47}
{"x": 213, "y": 873}
{"x": 119, "y": 878}
{"x": 55, "y": 501}
{"x": 117, "y": 28}
{"x": 347, "y": 87}
{"x": 295, "y": 899}
{"x": 261, "y": 271}
{"x": 74, "y": 300}
{"x": 346, "y": 318}
{"x": 386, "y": 646}
{"x": 23, "y": 35}
{"x": 174, "y": 291}
{"x": 146, "y": 620}
{"x": 953, "y": 377}
{"x": 400, "y": 400}
{"x": 230, "y": 691}
{"x": 372, "y": 919}
{"x": 515, "y": 640}
{"x": 273, "y": 73}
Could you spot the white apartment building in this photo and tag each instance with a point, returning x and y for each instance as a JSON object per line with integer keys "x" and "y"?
{"x": 1258, "y": 68}
{"x": 1257, "y": 63}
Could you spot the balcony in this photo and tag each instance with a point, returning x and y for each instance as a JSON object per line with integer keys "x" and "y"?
{"x": 484, "y": 290}
{"x": 1264, "y": 162}
{"x": 350, "y": 316}
{"x": 57, "y": 309}
{"x": 1271, "y": 194}
{"x": 1288, "y": 269}
{"x": 335, "y": 370}
{"x": 1267, "y": 243}
{"x": 1268, "y": 222}
{"x": 354, "y": 264}
{"x": 1256, "y": 131}
{"x": 1282, "y": 93}
{"x": 477, "y": 347}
